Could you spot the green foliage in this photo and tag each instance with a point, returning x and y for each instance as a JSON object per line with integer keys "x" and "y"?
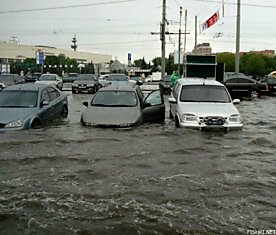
{"x": 250, "y": 63}
{"x": 228, "y": 59}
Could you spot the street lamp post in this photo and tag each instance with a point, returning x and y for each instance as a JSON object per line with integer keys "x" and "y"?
{"x": 237, "y": 57}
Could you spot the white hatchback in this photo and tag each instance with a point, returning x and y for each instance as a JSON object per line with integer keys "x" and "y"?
{"x": 203, "y": 104}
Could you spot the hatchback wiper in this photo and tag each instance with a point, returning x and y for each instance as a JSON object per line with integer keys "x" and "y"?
{"x": 101, "y": 105}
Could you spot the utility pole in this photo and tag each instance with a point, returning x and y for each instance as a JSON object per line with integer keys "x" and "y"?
{"x": 237, "y": 57}
{"x": 163, "y": 41}
{"x": 179, "y": 40}
{"x": 195, "y": 33}
{"x": 185, "y": 42}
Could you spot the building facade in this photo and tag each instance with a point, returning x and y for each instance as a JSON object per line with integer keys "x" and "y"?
{"x": 12, "y": 51}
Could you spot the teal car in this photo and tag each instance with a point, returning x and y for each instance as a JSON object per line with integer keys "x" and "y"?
{"x": 31, "y": 105}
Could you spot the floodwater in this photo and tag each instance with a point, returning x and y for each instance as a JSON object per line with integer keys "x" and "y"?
{"x": 153, "y": 179}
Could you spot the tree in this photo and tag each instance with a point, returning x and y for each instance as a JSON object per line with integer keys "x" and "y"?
{"x": 228, "y": 59}
{"x": 141, "y": 63}
{"x": 254, "y": 64}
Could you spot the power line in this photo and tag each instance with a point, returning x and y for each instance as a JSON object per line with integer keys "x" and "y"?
{"x": 232, "y": 3}
{"x": 66, "y": 7}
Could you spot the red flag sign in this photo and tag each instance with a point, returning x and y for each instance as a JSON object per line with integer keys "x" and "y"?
{"x": 212, "y": 20}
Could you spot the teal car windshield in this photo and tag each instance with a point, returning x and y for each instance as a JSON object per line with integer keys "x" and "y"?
{"x": 115, "y": 99}
{"x": 204, "y": 93}
{"x": 20, "y": 99}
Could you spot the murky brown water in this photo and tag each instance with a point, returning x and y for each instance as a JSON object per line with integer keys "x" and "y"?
{"x": 154, "y": 179}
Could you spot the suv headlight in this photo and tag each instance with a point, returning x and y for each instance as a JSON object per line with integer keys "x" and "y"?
{"x": 235, "y": 118}
{"x": 74, "y": 85}
{"x": 14, "y": 124}
{"x": 90, "y": 85}
{"x": 188, "y": 117}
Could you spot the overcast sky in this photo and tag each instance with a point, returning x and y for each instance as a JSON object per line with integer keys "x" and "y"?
{"x": 119, "y": 27}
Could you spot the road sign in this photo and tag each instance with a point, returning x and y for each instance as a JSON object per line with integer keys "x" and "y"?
{"x": 39, "y": 55}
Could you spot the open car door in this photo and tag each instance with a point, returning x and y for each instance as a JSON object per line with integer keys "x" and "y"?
{"x": 154, "y": 107}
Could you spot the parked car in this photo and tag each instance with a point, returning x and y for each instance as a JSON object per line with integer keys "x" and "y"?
{"x": 240, "y": 87}
{"x": 85, "y": 83}
{"x": 31, "y": 106}
{"x": 166, "y": 85}
{"x": 50, "y": 79}
{"x": 70, "y": 77}
{"x": 137, "y": 79}
{"x": 271, "y": 85}
{"x": 203, "y": 104}
{"x": 116, "y": 77}
{"x": 9, "y": 80}
{"x": 32, "y": 77}
{"x": 123, "y": 105}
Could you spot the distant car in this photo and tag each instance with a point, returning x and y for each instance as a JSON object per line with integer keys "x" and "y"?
{"x": 50, "y": 79}
{"x": 85, "y": 83}
{"x": 271, "y": 85}
{"x": 9, "y": 80}
{"x": 31, "y": 106}
{"x": 137, "y": 79}
{"x": 116, "y": 77}
{"x": 123, "y": 105}
{"x": 70, "y": 77}
{"x": 33, "y": 77}
{"x": 166, "y": 85}
{"x": 240, "y": 87}
{"x": 203, "y": 104}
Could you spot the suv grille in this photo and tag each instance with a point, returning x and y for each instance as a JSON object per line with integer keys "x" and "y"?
{"x": 213, "y": 120}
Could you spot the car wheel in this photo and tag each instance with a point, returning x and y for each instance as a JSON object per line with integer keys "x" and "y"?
{"x": 177, "y": 122}
{"x": 73, "y": 91}
{"x": 35, "y": 124}
{"x": 64, "y": 112}
{"x": 254, "y": 94}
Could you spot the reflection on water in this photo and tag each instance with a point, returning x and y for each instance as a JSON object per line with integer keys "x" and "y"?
{"x": 154, "y": 179}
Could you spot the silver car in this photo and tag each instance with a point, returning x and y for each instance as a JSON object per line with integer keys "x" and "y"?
{"x": 203, "y": 104}
{"x": 122, "y": 104}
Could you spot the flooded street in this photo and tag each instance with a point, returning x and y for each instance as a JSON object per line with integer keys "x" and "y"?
{"x": 153, "y": 179}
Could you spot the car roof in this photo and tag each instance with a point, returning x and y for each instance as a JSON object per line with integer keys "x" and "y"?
{"x": 120, "y": 86}
{"x": 198, "y": 81}
{"x": 26, "y": 87}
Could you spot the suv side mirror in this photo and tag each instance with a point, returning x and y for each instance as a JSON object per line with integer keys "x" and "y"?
{"x": 44, "y": 103}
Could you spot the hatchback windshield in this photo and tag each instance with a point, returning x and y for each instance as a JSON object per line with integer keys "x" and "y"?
{"x": 18, "y": 99}
{"x": 115, "y": 99}
{"x": 47, "y": 78}
{"x": 6, "y": 78}
{"x": 86, "y": 77}
{"x": 204, "y": 93}
{"x": 116, "y": 78}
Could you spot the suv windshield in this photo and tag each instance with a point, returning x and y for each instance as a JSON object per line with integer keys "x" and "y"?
{"x": 204, "y": 93}
{"x": 115, "y": 99}
{"x": 26, "y": 99}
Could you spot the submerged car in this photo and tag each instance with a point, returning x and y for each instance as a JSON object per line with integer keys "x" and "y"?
{"x": 9, "y": 80}
{"x": 50, "y": 79}
{"x": 166, "y": 85}
{"x": 85, "y": 83}
{"x": 123, "y": 105}
{"x": 240, "y": 87}
{"x": 116, "y": 77}
{"x": 203, "y": 104}
{"x": 31, "y": 106}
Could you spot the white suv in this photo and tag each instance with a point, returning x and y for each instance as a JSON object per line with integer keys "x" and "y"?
{"x": 203, "y": 104}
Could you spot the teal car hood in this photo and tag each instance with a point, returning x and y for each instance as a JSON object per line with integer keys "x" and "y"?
{"x": 12, "y": 114}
